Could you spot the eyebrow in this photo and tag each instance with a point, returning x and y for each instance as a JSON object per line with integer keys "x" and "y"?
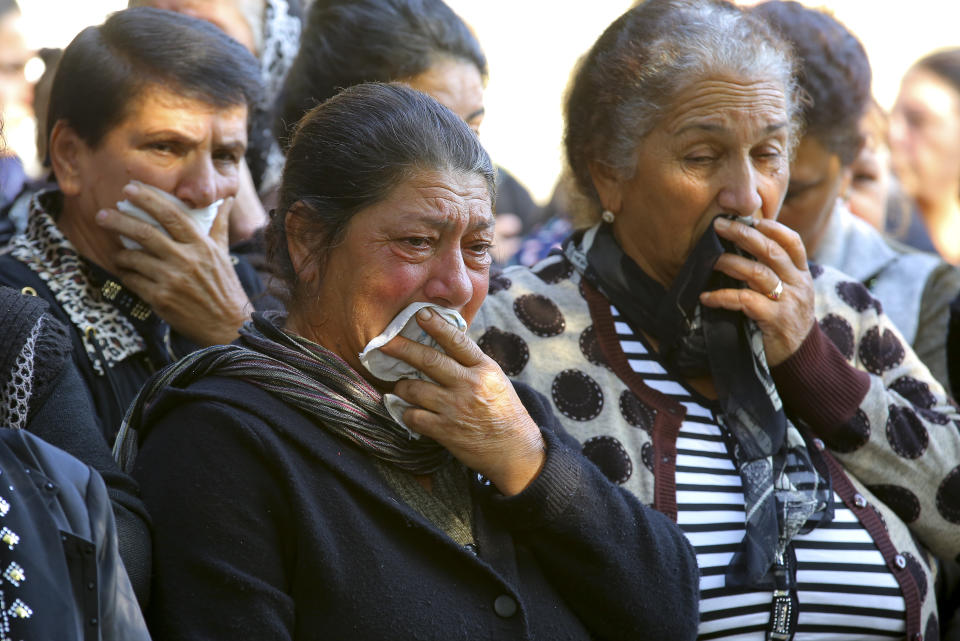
{"x": 446, "y": 224}
{"x": 476, "y": 114}
{"x": 705, "y": 126}
{"x": 232, "y": 146}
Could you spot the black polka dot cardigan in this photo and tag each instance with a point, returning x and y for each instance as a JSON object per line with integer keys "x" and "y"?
{"x": 889, "y": 431}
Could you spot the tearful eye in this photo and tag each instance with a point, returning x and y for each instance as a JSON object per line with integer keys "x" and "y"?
{"x": 482, "y": 248}
{"x": 228, "y": 157}
{"x": 161, "y": 147}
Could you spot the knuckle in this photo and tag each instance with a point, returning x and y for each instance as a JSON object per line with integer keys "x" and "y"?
{"x": 433, "y": 358}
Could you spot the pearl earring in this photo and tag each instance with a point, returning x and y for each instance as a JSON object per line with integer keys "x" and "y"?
{"x": 607, "y": 216}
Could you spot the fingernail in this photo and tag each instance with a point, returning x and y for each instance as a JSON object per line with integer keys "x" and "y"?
{"x": 425, "y": 314}
{"x": 722, "y": 223}
{"x": 101, "y": 216}
{"x": 131, "y": 188}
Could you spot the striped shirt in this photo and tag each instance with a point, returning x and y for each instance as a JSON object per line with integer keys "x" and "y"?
{"x": 845, "y": 590}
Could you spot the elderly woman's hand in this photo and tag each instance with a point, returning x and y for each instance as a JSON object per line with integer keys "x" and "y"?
{"x": 187, "y": 278}
{"x": 785, "y": 317}
{"x": 471, "y": 409}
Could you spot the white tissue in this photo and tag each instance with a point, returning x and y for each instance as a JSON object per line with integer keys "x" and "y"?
{"x": 387, "y": 368}
{"x": 202, "y": 217}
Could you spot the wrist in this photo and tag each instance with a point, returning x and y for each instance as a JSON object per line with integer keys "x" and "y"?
{"x": 522, "y": 464}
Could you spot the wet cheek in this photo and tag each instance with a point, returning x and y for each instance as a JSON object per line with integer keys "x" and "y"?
{"x": 480, "y": 283}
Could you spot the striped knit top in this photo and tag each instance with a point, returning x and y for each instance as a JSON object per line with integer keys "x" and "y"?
{"x": 845, "y": 590}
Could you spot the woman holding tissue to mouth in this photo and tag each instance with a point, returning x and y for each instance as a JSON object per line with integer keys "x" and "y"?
{"x": 765, "y": 403}
{"x": 147, "y": 127}
{"x": 289, "y": 504}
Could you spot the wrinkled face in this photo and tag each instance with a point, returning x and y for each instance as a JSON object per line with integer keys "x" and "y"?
{"x": 429, "y": 241}
{"x": 817, "y": 178}
{"x": 184, "y": 146}
{"x": 925, "y": 136}
{"x": 455, "y": 84}
{"x": 722, "y": 149}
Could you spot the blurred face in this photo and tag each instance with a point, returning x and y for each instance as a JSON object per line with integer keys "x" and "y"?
{"x": 455, "y": 84}
{"x": 871, "y": 183}
{"x": 817, "y": 178}
{"x": 428, "y": 241}
{"x": 925, "y": 137}
{"x": 183, "y": 146}
{"x": 15, "y": 91}
{"x": 722, "y": 149}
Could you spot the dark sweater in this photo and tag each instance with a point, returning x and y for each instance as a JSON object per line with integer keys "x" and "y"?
{"x": 268, "y": 527}
{"x": 60, "y": 412}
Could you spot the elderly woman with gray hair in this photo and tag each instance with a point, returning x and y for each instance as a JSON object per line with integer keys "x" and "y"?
{"x": 765, "y": 404}
{"x": 300, "y": 491}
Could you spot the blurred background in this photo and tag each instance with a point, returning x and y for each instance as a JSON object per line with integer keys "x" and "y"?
{"x": 531, "y": 46}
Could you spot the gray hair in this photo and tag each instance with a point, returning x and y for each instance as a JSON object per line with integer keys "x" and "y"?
{"x": 630, "y": 77}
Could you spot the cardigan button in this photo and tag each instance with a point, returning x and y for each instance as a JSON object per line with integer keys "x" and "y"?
{"x": 900, "y": 561}
{"x": 859, "y": 501}
{"x": 471, "y": 548}
{"x": 505, "y": 606}
{"x": 483, "y": 480}
{"x": 818, "y": 443}
{"x": 916, "y": 637}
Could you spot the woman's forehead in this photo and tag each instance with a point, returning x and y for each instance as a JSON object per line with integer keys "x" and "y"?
{"x": 724, "y": 102}
{"x": 440, "y": 194}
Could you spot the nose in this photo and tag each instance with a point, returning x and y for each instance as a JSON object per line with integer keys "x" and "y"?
{"x": 448, "y": 282}
{"x": 740, "y": 192}
{"x": 197, "y": 186}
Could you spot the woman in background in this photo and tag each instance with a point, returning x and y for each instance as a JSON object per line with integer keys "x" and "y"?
{"x": 925, "y": 145}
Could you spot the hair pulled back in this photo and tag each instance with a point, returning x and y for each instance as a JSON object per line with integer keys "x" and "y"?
{"x": 350, "y": 152}
{"x": 649, "y": 55}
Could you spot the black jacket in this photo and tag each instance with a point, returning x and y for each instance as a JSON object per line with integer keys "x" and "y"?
{"x": 59, "y": 411}
{"x": 72, "y": 585}
{"x": 112, "y": 391}
{"x": 268, "y": 527}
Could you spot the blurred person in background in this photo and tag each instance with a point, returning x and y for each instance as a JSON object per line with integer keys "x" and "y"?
{"x": 875, "y": 194}
{"x": 421, "y": 43}
{"x": 915, "y": 288}
{"x": 16, "y": 97}
{"x": 870, "y": 170}
{"x": 925, "y": 145}
{"x": 149, "y": 108}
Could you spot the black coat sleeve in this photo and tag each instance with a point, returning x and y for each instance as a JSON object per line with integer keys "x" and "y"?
{"x": 627, "y": 570}
{"x": 65, "y": 417}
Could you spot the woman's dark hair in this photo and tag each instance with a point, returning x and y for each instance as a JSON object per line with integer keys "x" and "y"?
{"x": 649, "y": 55}
{"x": 834, "y": 72}
{"x": 945, "y": 64}
{"x": 351, "y": 151}
{"x": 104, "y": 69}
{"x": 347, "y": 43}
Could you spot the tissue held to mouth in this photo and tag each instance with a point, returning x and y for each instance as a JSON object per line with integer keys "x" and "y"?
{"x": 388, "y": 368}
{"x": 202, "y": 217}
